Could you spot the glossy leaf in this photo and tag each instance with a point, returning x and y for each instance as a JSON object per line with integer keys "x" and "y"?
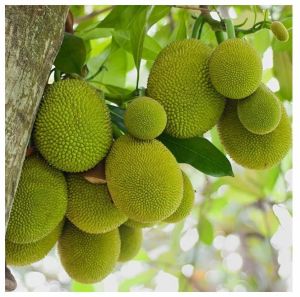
{"x": 157, "y": 13}
{"x": 205, "y": 230}
{"x": 200, "y": 153}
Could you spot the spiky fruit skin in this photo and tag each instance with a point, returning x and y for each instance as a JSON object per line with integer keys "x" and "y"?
{"x": 186, "y": 204}
{"x": 179, "y": 80}
{"x": 280, "y": 31}
{"x": 131, "y": 241}
{"x": 252, "y": 150}
{"x": 88, "y": 258}
{"x": 144, "y": 179}
{"x": 90, "y": 207}
{"x": 135, "y": 224}
{"x": 145, "y": 118}
{"x": 27, "y": 253}
{"x": 40, "y": 202}
{"x": 235, "y": 68}
{"x": 72, "y": 130}
{"x": 260, "y": 113}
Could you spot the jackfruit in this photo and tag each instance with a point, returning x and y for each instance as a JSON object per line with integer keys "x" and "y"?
{"x": 280, "y": 31}
{"x": 72, "y": 130}
{"x": 145, "y": 118}
{"x": 27, "y": 253}
{"x": 144, "y": 179}
{"x": 186, "y": 204}
{"x": 135, "y": 224}
{"x": 179, "y": 80}
{"x": 260, "y": 113}
{"x": 131, "y": 241}
{"x": 40, "y": 202}
{"x": 88, "y": 258}
{"x": 90, "y": 207}
{"x": 252, "y": 150}
{"x": 235, "y": 68}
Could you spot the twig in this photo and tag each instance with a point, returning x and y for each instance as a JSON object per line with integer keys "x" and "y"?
{"x": 91, "y": 15}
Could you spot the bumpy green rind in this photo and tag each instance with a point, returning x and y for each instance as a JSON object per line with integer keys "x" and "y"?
{"x": 144, "y": 179}
{"x": 145, "y": 118}
{"x": 27, "y": 253}
{"x": 235, "y": 68}
{"x": 90, "y": 207}
{"x": 73, "y": 129}
{"x": 260, "y": 113}
{"x": 252, "y": 150}
{"x": 40, "y": 202}
{"x": 131, "y": 241}
{"x": 88, "y": 258}
{"x": 280, "y": 31}
{"x": 186, "y": 204}
{"x": 135, "y": 224}
{"x": 179, "y": 80}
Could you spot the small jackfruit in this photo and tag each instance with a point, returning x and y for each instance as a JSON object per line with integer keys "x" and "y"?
{"x": 135, "y": 224}
{"x": 90, "y": 207}
{"x": 186, "y": 204}
{"x": 235, "y": 68}
{"x": 145, "y": 118}
{"x": 252, "y": 150}
{"x": 27, "y": 253}
{"x": 280, "y": 31}
{"x": 131, "y": 241}
{"x": 88, "y": 258}
{"x": 144, "y": 179}
{"x": 72, "y": 130}
{"x": 40, "y": 202}
{"x": 260, "y": 113}
{"x": 179, "y": 80}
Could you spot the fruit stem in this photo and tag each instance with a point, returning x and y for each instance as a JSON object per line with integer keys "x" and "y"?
{"x": 220, "y": 36}
{"x": 197, "y": 28}
{"x": 57, "y": 74}
{"x": 229, "y": 28}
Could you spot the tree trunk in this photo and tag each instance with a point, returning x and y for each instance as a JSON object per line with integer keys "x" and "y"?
{"x": 33, "y": 35}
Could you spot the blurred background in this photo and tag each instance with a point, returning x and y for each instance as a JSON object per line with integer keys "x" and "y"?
{"x": 239, "y": 234}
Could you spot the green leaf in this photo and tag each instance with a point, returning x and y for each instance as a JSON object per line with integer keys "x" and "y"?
{"x": 200, "y": 153}
{"x": 137, "y": 36}
{"x": 157, "y": 13}
{"x": 72, "y": 54}
{"x": 205, "y": 230}
{"x": 79, "y": 287}
{"x": 94, "y": 33}
{"x": 117, "y": 117}
{"x": 181, "y": 31}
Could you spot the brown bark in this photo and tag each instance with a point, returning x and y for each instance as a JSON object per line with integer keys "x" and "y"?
{"x": 33, "y": 35}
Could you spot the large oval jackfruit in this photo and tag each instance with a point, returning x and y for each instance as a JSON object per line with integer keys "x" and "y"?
{"x": 88, "y": 258}
{"x": 40, "y": 202}
{"x": 73, "y": 129}
{"x": 260, "y": 113}
{"x": 145, "y": 118}
{"x": 27, "y": 253}
{"x": 179, "y": 80}
{"x": 144, "y": 179}
{"x": 235, "y": 68}
{"x": 252, "y": 150}
{"x": 131, "y": 241}
{"x": 186, "y": 204}
{"x": 90, "y": 207}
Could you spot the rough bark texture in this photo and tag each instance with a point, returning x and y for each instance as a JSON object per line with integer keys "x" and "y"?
{"x": 33, "y": 35}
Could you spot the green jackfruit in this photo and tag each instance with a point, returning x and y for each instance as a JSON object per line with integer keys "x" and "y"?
{"x": 186, "y": 204}
{"x": 27, "y": 253}
{"x": 280, "y": 31}
{"x": 73, "y": 129}
{"x": 144, "y": 179}
{"x": 40, "y": 202}
{"x": 135, "y": 224}
{"x": 90, "y": 207}
{"x": 131, "y": 241}
{"x": 260, "y": 113}
{"x": 179, "y": 80}
{"x": 145, "y": 118}
{"x": 235, "y": 68}
{"x": 88, "y": 258}
{"x": 252, "y": 150}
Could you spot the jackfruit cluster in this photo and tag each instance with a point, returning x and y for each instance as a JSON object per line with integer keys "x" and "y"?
{"x": 145, "y": 118}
